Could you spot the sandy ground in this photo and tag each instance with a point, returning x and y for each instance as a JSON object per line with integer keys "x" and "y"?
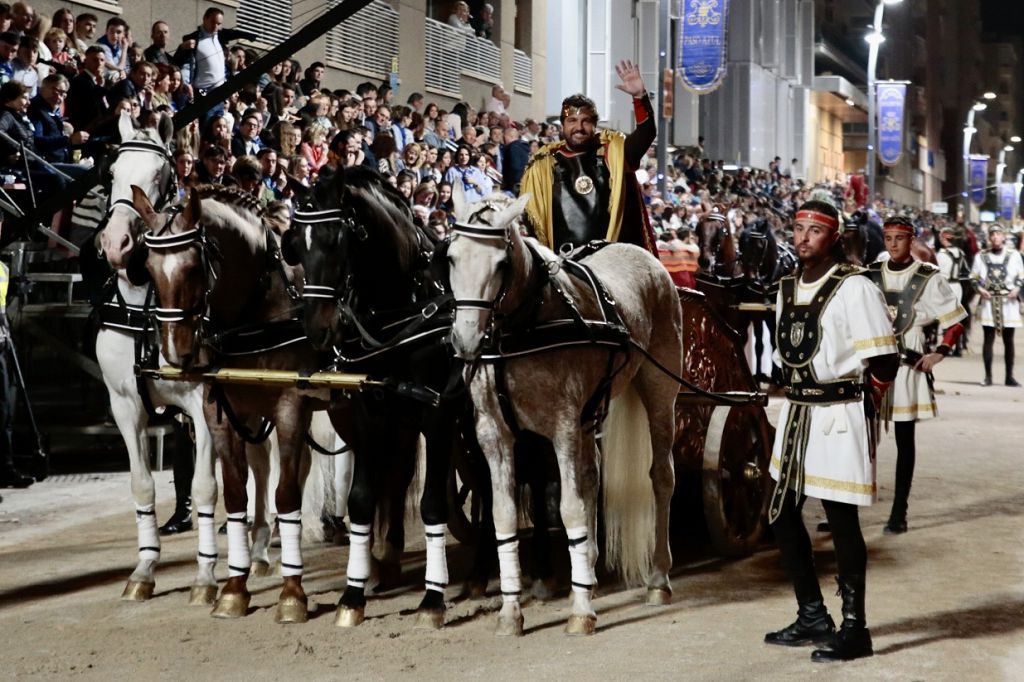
{"x": 945, "y": 601}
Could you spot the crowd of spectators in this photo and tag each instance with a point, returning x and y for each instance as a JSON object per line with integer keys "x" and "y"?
{"x": 64, "y": 81}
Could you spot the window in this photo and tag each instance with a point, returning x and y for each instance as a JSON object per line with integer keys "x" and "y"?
{"x": 271, "y": 20}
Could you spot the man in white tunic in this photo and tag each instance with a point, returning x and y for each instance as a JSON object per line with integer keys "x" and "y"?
{"x": 832, "y": 325}
{"x": 957, "y": 271}
{"x": 998, "y": 272}
{"x": 917, "y": 295}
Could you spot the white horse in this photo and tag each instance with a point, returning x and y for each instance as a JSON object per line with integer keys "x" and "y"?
{"x": 503, "y": 283}
{"x": 144, "y": 160}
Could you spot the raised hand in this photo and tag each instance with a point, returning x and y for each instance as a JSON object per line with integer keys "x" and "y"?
{"x": 632, "y": 83}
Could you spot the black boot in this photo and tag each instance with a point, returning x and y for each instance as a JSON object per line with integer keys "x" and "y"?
{"x": 180, "y": 522}
{"x": 813, "y": 625}
{"x": 853, "y": 640}
{"x": 11, "y": 477}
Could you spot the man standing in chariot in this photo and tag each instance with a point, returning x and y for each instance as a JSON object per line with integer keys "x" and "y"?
{"x": 833, "y": 340}
{"x": 917, "y": 295}
{"x": 584, "y": 186}
{"x": 998, "y": 271}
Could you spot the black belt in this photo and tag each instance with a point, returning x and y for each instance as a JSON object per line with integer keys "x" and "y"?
{"x": 833, "y": 392}
{"x": 910, "y": 358}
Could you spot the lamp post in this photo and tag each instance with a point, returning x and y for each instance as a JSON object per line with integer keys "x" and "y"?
{"x": 969, "y": 131}
{"x": 1001, "y": 166}
{"x": 875, "y": 39}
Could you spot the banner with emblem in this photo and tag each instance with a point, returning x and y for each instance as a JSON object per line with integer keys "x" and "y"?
{"x": 891, "y": 97}
{"x": 978, "y": 177}
{"x": 701, "y": 44}
{"x": 1007, "y": 200}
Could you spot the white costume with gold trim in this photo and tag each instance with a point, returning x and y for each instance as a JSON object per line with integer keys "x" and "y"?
{"x": 912, "y": 398}
{"x": 950, "y": 260}
{"x": 855, "y": 326}
{"x": 1014, "y": 272}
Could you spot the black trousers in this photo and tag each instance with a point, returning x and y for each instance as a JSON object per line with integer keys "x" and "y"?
{"x": 795, "y": 544}
{"x": 906, "y": 454}
{"x": 987, "y": 346}
{"x": 8, "y": 397}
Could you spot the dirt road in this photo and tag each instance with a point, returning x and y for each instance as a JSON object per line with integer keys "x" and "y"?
{"x": 945, "y": 601}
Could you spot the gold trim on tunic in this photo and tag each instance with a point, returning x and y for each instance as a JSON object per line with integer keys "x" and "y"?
{"x": 877, "y": 342}
{"x": 831, "y": 483}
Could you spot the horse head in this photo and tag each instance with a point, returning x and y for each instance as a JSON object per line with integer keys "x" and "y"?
{"x": 479, "y": 263}
{"x": 756, "y": 246}
{"x": 176, "y": 260}
{"x": 718, "y": 255}
{"x": 142, "y": 161}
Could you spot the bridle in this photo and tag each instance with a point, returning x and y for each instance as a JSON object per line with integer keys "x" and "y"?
{"x": 168, "y": 187}
{"x": 345, "y": 220}
{"x": 476, "y": 227}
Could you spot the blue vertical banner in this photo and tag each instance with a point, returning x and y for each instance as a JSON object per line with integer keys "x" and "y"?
{"x": 890, "y": 107}
{"x": 978, "y": 177}
{"x": 701, "y": 42}
{"x": 1007, "y": 200}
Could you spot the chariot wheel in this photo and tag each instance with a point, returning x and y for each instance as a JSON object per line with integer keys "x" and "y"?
{"x": 464, "y": 504}
{"x": 735, "y": 484}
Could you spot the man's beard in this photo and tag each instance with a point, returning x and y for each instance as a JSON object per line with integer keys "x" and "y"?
{"x": 590, "y": 142}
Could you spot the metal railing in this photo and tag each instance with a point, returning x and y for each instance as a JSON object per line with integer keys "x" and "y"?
{"x": 367, "y": 41}
{"x": 451, "y": 52}
{"x": 523, "y": 73}
{"x": 270, "y": 20}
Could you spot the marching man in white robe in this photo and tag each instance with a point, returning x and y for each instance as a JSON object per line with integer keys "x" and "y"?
{"x": 955, "y": 269}
{"x": 998, "y": 272}
{"x": 833, "y": 328}
{"x": 917, "y": 294}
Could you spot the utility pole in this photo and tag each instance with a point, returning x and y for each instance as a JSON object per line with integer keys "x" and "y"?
{"x": 665, "y": 101}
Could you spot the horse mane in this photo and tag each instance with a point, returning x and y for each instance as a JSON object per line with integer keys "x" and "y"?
{"x": 249, "y": 216}
{"x": 378, "y": 196}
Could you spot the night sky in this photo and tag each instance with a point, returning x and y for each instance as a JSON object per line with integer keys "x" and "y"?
{"x": 1002, "y": 17}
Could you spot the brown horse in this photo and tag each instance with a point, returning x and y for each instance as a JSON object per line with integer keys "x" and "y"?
{"x": 224, "y": 294}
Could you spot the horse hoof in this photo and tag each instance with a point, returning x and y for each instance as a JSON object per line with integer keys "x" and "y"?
{"x": 659, "y": 596}
{"x": 137, "y": 591}
{"x": 291, "y": 610}
{"x": 202, "y": 595}
{"x": 231, "y": 605}
{"x": 509, "y": 627}
{"x": 430, "y": 620}
{"x": 581, "y": 625}
{"x": 349, "y": 617}
{"x": 259, "y": 569}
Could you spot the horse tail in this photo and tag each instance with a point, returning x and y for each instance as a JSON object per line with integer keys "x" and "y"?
{"x": 628, "y": 496}
{"x": 318, "y": 496}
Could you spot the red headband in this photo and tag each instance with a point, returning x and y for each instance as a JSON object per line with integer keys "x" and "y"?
{"x": 818, "y": 218}
{"x": 898, "y": 227}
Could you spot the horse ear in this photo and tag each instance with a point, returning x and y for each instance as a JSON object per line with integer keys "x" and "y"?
{"x": 193, "y": 210}
{"x": 166, "y": 128}
{"x": 459, "y": 204}
{"x": 513, "y": 210}
{"x": 290, "y": 247}
{"x": 144, "y": 207}
{"x": 125, "y": 127}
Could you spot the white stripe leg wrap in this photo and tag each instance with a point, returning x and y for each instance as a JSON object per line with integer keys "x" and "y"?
{"x": 583, "y": 578}
{"x": 290, "y": 527}
{"x": 508, "y": 566}
{"x": 358, "y": 571}
{"x": 149, "y": 538}
{"x": 437, "y": 562}
{"x": 239, "y": 559}
{"x": 207, "y": 535}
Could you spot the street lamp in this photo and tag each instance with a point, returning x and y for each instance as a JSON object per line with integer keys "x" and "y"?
{"x": 989, "y": 95}
{"x": 1001, "y": 166}
{"x": 875, "y": 38}
{"x": 969, "y": 131}
{"x": 1015, "y": 139}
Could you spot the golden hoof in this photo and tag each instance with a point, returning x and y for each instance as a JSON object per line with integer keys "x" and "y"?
{"x": 509, "y": 627}
{"x": 581, "y": 625}
{"x": 202, "y": 595}
{"x": 429, "y": 620}
{"x": 137, "y": 591}
{"x": 659, "y": 596}
{"x": 348, "y": 617}
{"x": 259, "y": 569}
{"x": 291, "y": 610}
{"x": 231, "y": 605}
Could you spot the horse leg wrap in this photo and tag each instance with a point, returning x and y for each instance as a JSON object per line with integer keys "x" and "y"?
{"x": 508, "y": 566}
{"x": 343, "y": 464}
{"x": 239, "y": 560}
{"x": 358, "y": 571}
{"x": 437, "y": 562}
{"x": 207, "y": 535}
{"x": 583, "y": 578}
{"x": 290, "y": 527}
{"x": 149, "y": 539}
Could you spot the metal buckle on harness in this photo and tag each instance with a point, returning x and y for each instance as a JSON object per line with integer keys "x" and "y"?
{"x": 429, "y": 310}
